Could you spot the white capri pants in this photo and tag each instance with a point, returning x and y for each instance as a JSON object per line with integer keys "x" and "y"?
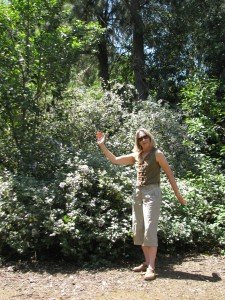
{"x": 145, "y": 216}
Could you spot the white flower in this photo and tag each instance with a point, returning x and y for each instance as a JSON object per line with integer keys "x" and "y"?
{"x": 52, "y": 234}
{"x": 49, "y": 200}
{"x": 84, "y": 168}
{"x": 62, "y": 185}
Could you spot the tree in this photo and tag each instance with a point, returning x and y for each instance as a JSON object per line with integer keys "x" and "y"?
{"x": 89, "y": 11}
{"x": 209, "y": 36}
{"x": 38, "y": 50}
{"x": 205, "y": 115}
{"x": 116, "y": 17}
{"x": 138, "y": 56}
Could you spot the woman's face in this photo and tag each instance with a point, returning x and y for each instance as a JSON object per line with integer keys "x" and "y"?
{"x": 143, "y": 139}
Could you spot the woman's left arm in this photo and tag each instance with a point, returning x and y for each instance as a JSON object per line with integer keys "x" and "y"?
{"x": 160, "y": 158}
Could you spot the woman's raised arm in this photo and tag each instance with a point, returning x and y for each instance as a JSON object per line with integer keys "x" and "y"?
{"x": 117, "y": 160}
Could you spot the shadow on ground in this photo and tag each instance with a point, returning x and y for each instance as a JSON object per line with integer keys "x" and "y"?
{"x": 165, "y": 268}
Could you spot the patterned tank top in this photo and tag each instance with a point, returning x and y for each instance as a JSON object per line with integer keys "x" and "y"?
{"x": 148, "y": 169}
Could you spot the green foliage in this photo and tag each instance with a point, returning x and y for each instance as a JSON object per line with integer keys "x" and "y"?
{"x": 57, "y": 191}
{"x": 39, "y": 46}
{"x": 205, "y": 115}
{"x": 72, "y": 202}
{"x": 115, "y": 114}
{"x": 79, "y": 214}
{"x": 199, "y": 225}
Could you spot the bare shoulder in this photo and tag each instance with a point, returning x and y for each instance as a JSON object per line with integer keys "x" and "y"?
{"x": 159, "y": 155}
{"x": 135, "y": 156}
{"x": 159, "y": 152}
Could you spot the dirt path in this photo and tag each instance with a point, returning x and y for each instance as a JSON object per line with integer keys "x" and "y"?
{"x": 199, "y": 277}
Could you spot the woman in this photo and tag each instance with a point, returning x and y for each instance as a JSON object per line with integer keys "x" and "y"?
{"x": 147, "y": 199}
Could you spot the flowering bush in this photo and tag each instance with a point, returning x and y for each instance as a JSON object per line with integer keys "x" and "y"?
{"x": 69, "y": 200}
{"x": 200, "y": 224}
{"x": 80, "y": 214}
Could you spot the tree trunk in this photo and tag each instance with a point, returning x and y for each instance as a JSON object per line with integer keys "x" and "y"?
{"x": 103, "y": 63}
{"x": 138, "y": 49}
{"x": 102, "y": 54}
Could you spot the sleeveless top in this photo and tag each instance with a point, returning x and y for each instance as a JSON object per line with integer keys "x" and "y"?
{"x": 148, "y": 170}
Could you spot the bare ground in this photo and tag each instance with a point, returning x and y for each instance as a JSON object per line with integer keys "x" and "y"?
{"x": 197, "y": 277}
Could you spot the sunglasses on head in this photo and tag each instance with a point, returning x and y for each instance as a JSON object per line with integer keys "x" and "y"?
{"x": 144, "y": 137}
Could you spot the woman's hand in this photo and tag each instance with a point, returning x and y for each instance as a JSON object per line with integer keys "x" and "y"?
{"x": 100, "y": 137}
{"x": 181, "y": 199}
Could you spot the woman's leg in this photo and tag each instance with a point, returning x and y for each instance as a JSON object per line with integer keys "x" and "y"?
{"x": 150, "y": 256}
{"x": 146, "y": 213}
{"x": 151, "y": 210}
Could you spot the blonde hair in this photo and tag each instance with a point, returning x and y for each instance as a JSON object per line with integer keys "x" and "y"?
{"x": 137, "y": 147}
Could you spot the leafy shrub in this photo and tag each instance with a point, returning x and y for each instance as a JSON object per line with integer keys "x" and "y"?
{"x": 106, "y": 112}
{"x": 81, "y": 214}
{"x": 199, "y": 225}
{"x": 69, "y": 200}
{"x": 204, "y": 109}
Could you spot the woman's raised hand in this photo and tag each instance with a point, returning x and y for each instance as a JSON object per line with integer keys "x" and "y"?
{"x": 100, "y": 137}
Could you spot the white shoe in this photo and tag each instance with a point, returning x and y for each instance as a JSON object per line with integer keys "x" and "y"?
{"x": 141, "y": 268}
{"x": 150, "y": 274}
